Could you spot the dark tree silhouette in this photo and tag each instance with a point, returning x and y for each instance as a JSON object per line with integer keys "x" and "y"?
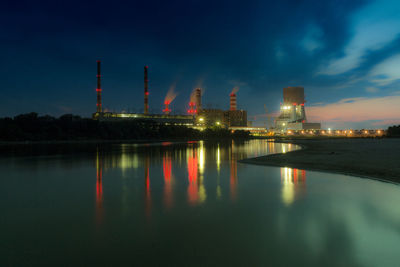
{"x": 32, "y": 127}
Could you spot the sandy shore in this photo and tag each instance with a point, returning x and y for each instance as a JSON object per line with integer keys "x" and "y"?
{"x": 364, "y": 157}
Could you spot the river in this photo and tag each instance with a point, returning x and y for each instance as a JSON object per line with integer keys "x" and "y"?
{"x": 189, "y": 204}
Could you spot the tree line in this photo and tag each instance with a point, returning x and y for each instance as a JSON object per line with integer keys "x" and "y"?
{"x": 32, "y": 127}
{"x": 393, "y": 131}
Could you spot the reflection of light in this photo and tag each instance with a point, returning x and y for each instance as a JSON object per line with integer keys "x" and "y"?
{"x": 202, "y": 190}
{"x": 99, "y": 188}
{"x": 167, "y": 171}
{"x": 293, "y": 183}
{"x": 283, "y": 150}
{"x": 288, "y": 187}
{"x": 233, "y": 177}
{"x": 128, "y": 161}
{"x": 147, "y": 186}
{"x": 219, "y": 193}
{"x": 218, "y": 158}
{"x": 192, "y": 176}
{"x": 201, "y": 157}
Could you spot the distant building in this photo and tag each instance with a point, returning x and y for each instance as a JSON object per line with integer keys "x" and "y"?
{"x": 237, "y": 118}
{"x": 292, "y": 112}
{"x": 212, "y": 117}
{"x": 186, "y": 120}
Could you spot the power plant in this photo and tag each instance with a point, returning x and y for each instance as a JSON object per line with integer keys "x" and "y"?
{"x": 197, "y": 116}
{"x": 292, "y": 112}
{"x": 292, "y": 119}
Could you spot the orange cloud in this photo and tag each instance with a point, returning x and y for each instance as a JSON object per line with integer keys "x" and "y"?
{"x": 381, "y": 110}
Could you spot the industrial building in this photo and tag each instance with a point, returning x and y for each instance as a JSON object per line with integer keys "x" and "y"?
{"x": 166, "y": 118}
{"x": 224, "y": 118}
{"x": 292, "y": 112}
{"x": 196, "y": 117}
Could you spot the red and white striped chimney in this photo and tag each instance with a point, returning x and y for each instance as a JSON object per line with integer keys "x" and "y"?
{"x": 233, "y": 101}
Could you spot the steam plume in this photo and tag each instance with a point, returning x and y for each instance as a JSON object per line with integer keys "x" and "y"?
{"x": 235, "y": 90}
{"x": 171, "y": 94}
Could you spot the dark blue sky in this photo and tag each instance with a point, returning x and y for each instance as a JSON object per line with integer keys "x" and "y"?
{"x": 345, "y": 53}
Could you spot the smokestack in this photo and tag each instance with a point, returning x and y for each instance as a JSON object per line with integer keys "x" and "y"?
{"x": 233, "y": 101}
{"x": 198, "y": 99}
{"x": 167, "y": 110}
{"x": 98, "y": 89}
{"x": 146, "y": 91}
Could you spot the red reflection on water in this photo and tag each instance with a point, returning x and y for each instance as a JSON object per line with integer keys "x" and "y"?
{"x": 193, "y": 195}
{"x": 166, "y": 143}
{"x": 99, "y": 189}
{"x": 147, "y": 195}
{"x": 167, "y": 170}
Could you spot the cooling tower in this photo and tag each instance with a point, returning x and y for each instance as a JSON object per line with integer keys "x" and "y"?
{"x": 197, "y": 99}
{"x": 293, "y": 95}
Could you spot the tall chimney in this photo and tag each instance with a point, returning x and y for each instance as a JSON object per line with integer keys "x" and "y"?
{"x": 98, "y": 89}
{"x": 146, "y": 91}
{"x": 198, "y": 99}
{"x": 233, "y": 101}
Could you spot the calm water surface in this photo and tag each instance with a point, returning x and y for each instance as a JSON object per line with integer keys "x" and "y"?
{"x": 189, "y": 204}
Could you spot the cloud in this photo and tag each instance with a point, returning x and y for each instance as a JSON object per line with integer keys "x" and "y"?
{"x": 370, "y": 111}
{"x": 387, "y": 71}
{"x": 312, "y": 39}
{"x": 373, "y": 27}
{"x": 372, "y": 89}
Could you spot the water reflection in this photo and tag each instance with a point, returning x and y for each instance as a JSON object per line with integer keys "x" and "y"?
{"x": 293, "y": 184}
{"x": 99, "y": 188}
{"x": 167, "y": 172}
{"x": 194, "y": 158}
{"x": 147, "y": 194}
{"x": 233, "y": 172}
{"x": 192, "y": 167}
{"x": 172, "y": 204}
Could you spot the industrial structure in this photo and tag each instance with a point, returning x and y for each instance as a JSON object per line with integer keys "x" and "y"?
{"x": 146, "y": 91}
{"x": 292, "y": 112}
{"x": 292, "y": 120}
{"x": 166, "y": 118}
{"x": 98, "y": 89}
{"x": 197, "y": 116}
{"x": 224, "y": 118}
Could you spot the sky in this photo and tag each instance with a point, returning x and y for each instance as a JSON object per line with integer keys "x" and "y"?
{"x": 346, "y": 54}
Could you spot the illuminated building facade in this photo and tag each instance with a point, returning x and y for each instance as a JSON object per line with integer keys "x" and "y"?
{"x": 292, "y": 112}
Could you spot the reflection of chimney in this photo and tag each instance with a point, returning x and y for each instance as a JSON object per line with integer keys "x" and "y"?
{"x": 198, "y": 99}
{"x": 233, "y": 101}
{"x": 98, "y": 89}
{"x": 146, "y": 91}
{"x": 147, "y": 186}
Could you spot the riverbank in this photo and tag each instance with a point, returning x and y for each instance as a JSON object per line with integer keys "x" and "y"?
{"x": 377, "y": 158}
